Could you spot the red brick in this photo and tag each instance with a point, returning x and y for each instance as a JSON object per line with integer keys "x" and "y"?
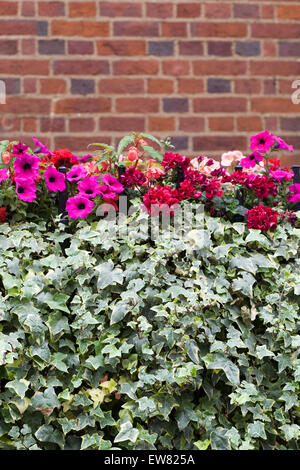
{"x": 220, "y": 67}
{"x": 249, "y": 123}
{"x": 271, "y": 123}
{"x": 122, "y": 124}
{"x": 190, "y": 85}
{"x": 30, "y": 85}
{"x": 267, "y": 11}
{"x": 221, "y": 123}
{"x": 8, "y": 46}
{"x": 272, "y": 105}
{"x": 8, "y": 8}
{"x": 51, "y": 9}
{"x": 137, "y": 105}
{"x": 52, "y": 125}
{"x": 159, "y": 10}
{"x": 121, "y": 85}
{"x": 285, "y": 86}
{"x": 29, "y": 124}
{"x": 269, "y": 49}
{"x": 278, "y": 30}
{"x": 86, "y": 29}
{"x": 216, "y": 10}
{"x": 16, "y": 105}
{"x": 28, "y": 46}
{"x": 76, "y": 67}
{"x": 18, "y": 27}
{"x": 191, "y": 124}
{"x": 52, "y": 86}
{"x": 80, "y": 47}
{"x": 269, "y": 86}
{"x": 275, "y": 67}
{"x": 77, "y": 144}
{"x": 82, "y": 124}
{"x": 174, "y": 30}
{"x": 24, "y": 67}
{"x": 247, "y": 86}
{"x": 10, "y": 124}
{"x": 245, "y": 11}
{"x": 135, "y": 67}
{"x": 82, "y": 9}
{"x": 191, "y": 48}
{"x": 160, "y": 86}
{"x": 136, "y": 28}
{"x": 176, "y": 67}
{"x": 161, "y": 124}
{"x": 219, "y": 30}
{"x": 121, "y": 47}
{"x": 288, "y": 12}
{"x": 28, "y": 9}
{"x": 188, "y": 10}
{"x": 221, "y": 143}
{"x": 212, "y": 105}
{"x": 117, "y": 10}
{"x": 82, "y": 105}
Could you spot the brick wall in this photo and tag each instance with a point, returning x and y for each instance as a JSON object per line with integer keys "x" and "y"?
{"x": 209, "y": 74}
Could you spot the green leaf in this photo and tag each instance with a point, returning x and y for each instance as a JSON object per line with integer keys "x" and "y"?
{"x": 193, "y": 351}
{"x": 257, "y": 429}
{"x": 119, "y": 312}
{"x": 230, "y": 369}
{"x": 49, "y": 434}
{"x": 153, "y": 153}
{"x": 150, "y": 137}
{"x": 58, "y": 302}
{"x": 202, "y": 445}
{"x": 124, "y": 143}
{"x": 127, "y": 433}
{"x": 46, "y": 399}
{"x": 108, "y": 275}
{"x": 19, "y": 386}
{"x": 219, "y": 440}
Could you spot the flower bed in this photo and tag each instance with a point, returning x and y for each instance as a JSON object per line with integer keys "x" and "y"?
{"x": 188, "y": 341}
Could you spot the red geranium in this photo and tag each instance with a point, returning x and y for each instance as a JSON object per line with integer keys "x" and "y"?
{"x": 63, "y": 157}
{"x": 160, "y": 198}
{"x": 213, "y": 188}
{"x": 3, "y": 214}
{"x": 262, "y": 218}
{"x": 132, "y": 177}
{"x": 172, "y": 160}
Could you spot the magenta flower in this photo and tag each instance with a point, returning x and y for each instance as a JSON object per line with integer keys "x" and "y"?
{"x": 3, "y": 175}
{"x": 55, "y": 180}
{"x": 107, "y": 193}
{"x": 27, "y": 166}
{"x": 295, "y": 190}
{"x": 79, "y": 206}
{"x": 251, "y": 160}
{"x": 280, "y": 175}
{"x": 26, "y": 189}
{"x": 19, "y": 149}
{"x": 85, "y": 158}
{"x": 77, "y": 173}
{"x": 112, "y": 183}
{"x": 41, "y": 148}
{"x": 281, "y": 144}
{"x": 89, "y": 187}
{"x": 262, "y": 142}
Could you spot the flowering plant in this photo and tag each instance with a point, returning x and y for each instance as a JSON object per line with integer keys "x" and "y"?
{"x": 155, "y": 174}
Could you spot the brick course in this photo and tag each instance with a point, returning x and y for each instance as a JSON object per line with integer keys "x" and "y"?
{"x": 207, "y": 74}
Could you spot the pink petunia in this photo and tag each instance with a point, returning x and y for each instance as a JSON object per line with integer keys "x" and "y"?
{"x": 295, "y": 190}
{"x": 41, "y": 148}
{"x": 26, "y": 189}
{"x": 27, "y": 166}
{"x": 55, "y": 180}
{"x": 77, "y": 173}
{"x": 112, "y": 183}
{"x": 89, "y": 187}
{"x": 3, "y": 175}
{"x": 106, "y": 192}
{"x": 280, "y": 175}
{"x": 281, "y": 144}
{"x": 262, "y": 142}
{"x": 251, "y": 160}
{"x": 79, "y": 206}
{"x": 19, "y": 149}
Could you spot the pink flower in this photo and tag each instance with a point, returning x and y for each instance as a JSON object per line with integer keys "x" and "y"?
{"x": 112, "y": 183}
{"x": 19, "y": 149}
{"x": 77, "y": 173}
{"x": 262, "y": 142}
{"x": 229, "y": 158}
{"x": 55, "y": 180}
{"x": 295, "y": 190}
{"x": 154, "y": 172}
{"x": 79, "y": 206}
{"x": 26, "y": 189}
{"x": 3, "y": 175}
{"x": 27, "y": 166}
{"x": 251, "y": 160}
{"x": 281, "y": 144}
{"x": 106, "y": 192}
{"x": 89, "y": 187}
{"x": 41, "y": 148}
{"x": 280, "y": 175}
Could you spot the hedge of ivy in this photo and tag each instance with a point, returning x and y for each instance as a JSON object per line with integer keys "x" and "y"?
{"x": 130, "y": 343}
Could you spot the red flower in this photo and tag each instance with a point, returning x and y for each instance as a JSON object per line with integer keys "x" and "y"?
{"x": 3, "y": 214}
{"x": 172, "y": 160}
{"x": 274, "y": 162}
{"x": 63, "y": 157}
{"x": 195, "y": 177}
{"x": 263, "y": 186}
{"x": 162, "y": 197}
{"x": 262, "y": 218}
{"x": 186, "y": 190}
{"x": 213, "y": 189}
{"x": 132, "y": 177}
